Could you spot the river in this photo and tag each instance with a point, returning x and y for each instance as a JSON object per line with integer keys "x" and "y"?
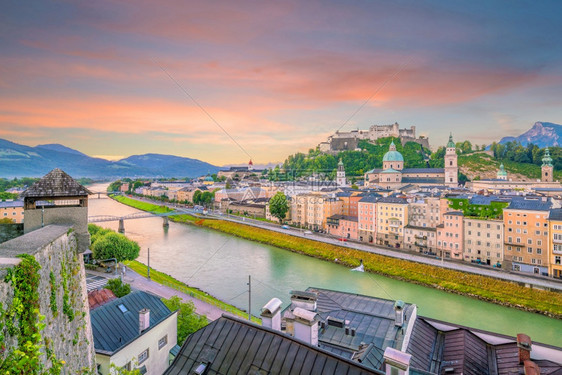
{"x": 220, "y": 264}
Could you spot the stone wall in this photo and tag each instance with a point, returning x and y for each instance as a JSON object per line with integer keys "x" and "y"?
{"x": 62, "y": 295}
{"x": 10, "y": 231}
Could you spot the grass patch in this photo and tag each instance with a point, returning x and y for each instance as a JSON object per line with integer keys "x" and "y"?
{"x": 165, "y": 279}
{"x": 144, "y": 206}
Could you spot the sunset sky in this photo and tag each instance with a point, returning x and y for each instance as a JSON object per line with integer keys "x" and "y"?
{"x": 278, "y": 76}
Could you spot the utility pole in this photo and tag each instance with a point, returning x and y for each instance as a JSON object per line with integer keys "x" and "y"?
{"x": 250, "y": 298}
{"x": 148, "y": 266}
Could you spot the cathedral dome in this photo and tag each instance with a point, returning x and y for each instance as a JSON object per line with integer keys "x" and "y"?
{"x": 392, "y": 154}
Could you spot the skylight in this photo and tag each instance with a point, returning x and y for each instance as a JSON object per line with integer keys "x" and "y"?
{"x": 122, "y": 308}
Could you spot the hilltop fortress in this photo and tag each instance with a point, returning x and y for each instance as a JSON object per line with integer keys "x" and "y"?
{"x": 348, "y": 141}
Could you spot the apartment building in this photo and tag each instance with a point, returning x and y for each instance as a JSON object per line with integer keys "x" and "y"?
{"x": 420, "y": 239}
{"x": 526, "y": 234}
{"x": 342, "y": 226}
{"x": 12, "y": 210}
{"x": 424, "y": 213}
{"x": 311, "y": 210}
{"x": 555, "y": 243}
{"x": 367, "y": 219}
{"x": 483, "y": 241}
{"x": 392, "y": 217}
{"x": 450, "y": 235}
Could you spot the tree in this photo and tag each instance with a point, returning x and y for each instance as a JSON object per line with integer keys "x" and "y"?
{"x": 278, "y": 206}
{"x": 188, "y": 320}
{"x": 118, "y": 288}
{"x": 7, "y": 220}
{"x": 115, "y": 245}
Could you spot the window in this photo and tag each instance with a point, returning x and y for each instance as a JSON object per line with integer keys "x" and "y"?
{"x": 162, "y": 342}
{"x": 530, "y": 250}
{"x": 122, "y": 308}
{"x": 143, "y": 356}
{"x": 539, "y": 250}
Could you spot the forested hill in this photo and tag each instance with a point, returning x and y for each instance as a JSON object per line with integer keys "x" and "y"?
{"x": 356, "y": 162}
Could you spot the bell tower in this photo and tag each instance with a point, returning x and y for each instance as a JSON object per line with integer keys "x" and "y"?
{"x": 340, "y": 176}
{"x": 451, "y": 167}
{"x": 546, "y": 168}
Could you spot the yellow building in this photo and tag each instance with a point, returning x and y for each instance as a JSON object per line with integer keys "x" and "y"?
{"x": 312, "y": 209}
{"x": 392, "y": 217}
{"x": 12, "y": 210}
{"x": 555, "y": 243}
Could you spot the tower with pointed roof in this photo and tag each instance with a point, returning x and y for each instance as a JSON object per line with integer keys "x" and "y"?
{"x": 451, "y": 166}
{"x": 250, "y": 165}
{"x": 547, "y": 168}
{"x": 502, "y": 174}
{"x": 57, "y": 199}
{"x": 340, "y": 175}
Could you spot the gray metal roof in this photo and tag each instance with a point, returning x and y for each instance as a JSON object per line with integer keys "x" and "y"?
{"x": 372, "y": 318}
{"x": 10, "y": 204}
{"x": 555, "y": 214}
{"x": 530, "y": 204}
{"x": 113, "y": 329}
{"x": 370, "y": 199}
{"x": 423, "y": 170}
{"x": 393, "y": 200}
{"x": 56, "y": 183}
{"x": 423, "y": 180}
{"x": 233, "y": 346}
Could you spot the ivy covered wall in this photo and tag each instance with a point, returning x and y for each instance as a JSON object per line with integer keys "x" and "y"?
{"x": 44, "y": 317}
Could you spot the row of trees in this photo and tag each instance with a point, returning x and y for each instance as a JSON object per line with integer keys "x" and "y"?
{"x": 515, "y": 151}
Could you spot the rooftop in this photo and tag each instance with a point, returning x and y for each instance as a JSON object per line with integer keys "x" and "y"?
{"x": 56, "y": 183}
{"x": 263, "y": 351}
{"x": 116, "y": 323}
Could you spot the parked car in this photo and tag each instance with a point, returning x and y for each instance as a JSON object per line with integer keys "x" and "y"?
{"x": 285, "y": 227}
{"x": 307, "y": 232}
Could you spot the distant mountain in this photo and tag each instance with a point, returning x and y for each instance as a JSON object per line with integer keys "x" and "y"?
{"x": 542, "y": 134}
{"x": 23, "y": 161}
{"x": 60, "y": 148}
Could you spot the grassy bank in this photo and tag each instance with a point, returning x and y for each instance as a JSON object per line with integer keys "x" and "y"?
{"x": 482, "y": 287}
{"x": 144, "y": 206}
{"x": 165, "y": 279}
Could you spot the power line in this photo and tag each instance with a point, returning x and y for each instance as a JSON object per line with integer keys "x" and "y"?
{"x": 207, "y": 261}
{"x": 388, "y": 79}
{"x": 202, "y": 109}
{"x": 379, "y": 285}
{"x": 267, "y": 285}
{"x": 238, "y": 295}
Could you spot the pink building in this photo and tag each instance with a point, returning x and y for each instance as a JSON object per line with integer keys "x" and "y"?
{"x": 450, "y": 235}
{"x": 342, "y": 226}
{"x": 367, "y": 219}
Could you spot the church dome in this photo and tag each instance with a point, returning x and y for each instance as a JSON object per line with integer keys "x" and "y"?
{"x": 392, "y": 155}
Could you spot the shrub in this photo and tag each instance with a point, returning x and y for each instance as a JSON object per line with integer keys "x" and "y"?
{"x": 115, "y": 245}
{"x": 118, "y": 288}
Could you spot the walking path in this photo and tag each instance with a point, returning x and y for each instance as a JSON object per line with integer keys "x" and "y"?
{"x": 142, "y": 283}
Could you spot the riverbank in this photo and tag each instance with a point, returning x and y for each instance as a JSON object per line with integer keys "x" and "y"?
{"x": 481, "y": 287}
{"x": 169, "y": 281}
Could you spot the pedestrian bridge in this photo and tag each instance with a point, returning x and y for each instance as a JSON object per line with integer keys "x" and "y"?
{"x": 139, "y": 215}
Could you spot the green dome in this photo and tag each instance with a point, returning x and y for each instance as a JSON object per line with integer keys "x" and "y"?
{"x": 451, "y": 144}
{"x": 392, "y": 155}
{"x": 502, "y": 171}
{"x": 208, "y": 178}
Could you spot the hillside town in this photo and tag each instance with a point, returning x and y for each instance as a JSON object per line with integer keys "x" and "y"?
{"x": 502, "y": 223}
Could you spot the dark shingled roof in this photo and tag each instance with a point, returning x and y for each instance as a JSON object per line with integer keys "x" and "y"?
{"x": 113, "y": 329}
{"x": 555, "y": 214}
{"x": 423, "y": 170}
{"x": 459, "y": 348}
{"x": 423, "y": 180}
{"x": 56, "y": 183}
{"x": 234, "y": 346}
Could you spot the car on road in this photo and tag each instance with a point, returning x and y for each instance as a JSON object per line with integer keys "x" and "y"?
{"x": 342, "y": 239}
{"x": 285, "y": 227}
{"x": 306, "y": 232}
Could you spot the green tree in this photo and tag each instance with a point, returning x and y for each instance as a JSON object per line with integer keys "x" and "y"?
{"x": 278, "y": 206}
{"x": 118, "y": 287}
{"x": 188, "y": 320}
{"x": 197, "y": 197}
{"x": 115, "y": 245}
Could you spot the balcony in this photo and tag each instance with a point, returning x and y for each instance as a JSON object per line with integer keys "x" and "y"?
{"x": 420, "y": 237}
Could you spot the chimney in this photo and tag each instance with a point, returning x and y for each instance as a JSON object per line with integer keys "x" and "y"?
{"x": 399, "y": 313}
{"x": 396, "y": 362}
{"x": 144, "y": 319}
{"x": 531, "y": 368}
{"x": 304, "y": 300}
{"x": 306, "y": 326}
{"x": 524, "y": 344}
{"x": 271, "y": 314}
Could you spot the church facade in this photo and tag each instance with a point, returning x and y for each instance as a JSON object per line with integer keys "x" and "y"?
{"x": 393, "y": 174}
